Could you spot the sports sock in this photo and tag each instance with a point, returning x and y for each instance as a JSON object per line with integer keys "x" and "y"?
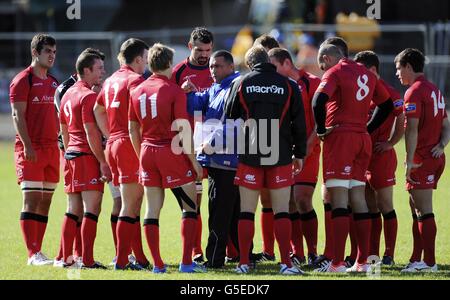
{"x": 296, "y": 234}
{"x": 88, "y": 234}
{"x": 246, "y": 232}
{"x": 282, "y": 230}
{"x": 125, "y": 234}
{"x": 188, "y": 231}
{"x": 428, "y": 230}
{"x": 390, "y": 224}
{"x": 375, "y": 233}
{"x": 151, "y": 228}
{"x": 309, "y": 227}
{"x": 362, "y": 224}
{"x": 267, "y": 231}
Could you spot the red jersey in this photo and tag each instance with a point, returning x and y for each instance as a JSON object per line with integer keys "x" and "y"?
{"x": 383, "y": 133}
{"x": 77, "y": 109}
{"x": 155, "y": 104}
{"x": 424, "y": 101}
{"x": 40, "y": 116}
{"x": 200, "y": 76}
{"x": 308, "y": 85}
{"x": 115, "y": 97}
{"x": 350, "y": 87}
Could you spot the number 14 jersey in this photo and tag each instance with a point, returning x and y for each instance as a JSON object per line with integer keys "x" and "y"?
{"x": 350, "y": 87}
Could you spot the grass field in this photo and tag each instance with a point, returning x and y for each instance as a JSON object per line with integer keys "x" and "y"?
{"x": 13, "y": 253}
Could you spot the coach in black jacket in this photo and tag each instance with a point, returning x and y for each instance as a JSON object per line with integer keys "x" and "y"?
{"x": 274, "y": 131}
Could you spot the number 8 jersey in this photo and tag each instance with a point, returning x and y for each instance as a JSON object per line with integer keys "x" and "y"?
{"x": 155, "y": 104}
{"x": 350, "y": 87}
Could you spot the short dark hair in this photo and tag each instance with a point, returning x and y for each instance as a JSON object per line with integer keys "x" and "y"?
{"x": 40, "y": 40}
{"x": 202, "y": 35}
{"x": 160, "y": 57}
{"x": 227, "y": 56}
{"x": 338, "y": 42}
{"x": 280, "y": 55}
{"x": 256, "y": 55}
{"x": 87, "y": 59}
{"x": 266, "y": 41}
{"x": 413, "y": 57}
{"x": 368, "y": 58}
{"x": 96, "y": 52}
{"x": 132, "y": 48}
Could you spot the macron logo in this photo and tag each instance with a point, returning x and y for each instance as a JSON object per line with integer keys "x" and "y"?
{"x": 265, "y": 89}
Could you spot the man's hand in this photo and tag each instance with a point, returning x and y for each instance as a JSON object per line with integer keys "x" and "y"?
{"x": 105, "y": 171}
{"x": 30, "y": 154}
{"x": 382, "y": 146}
{"x": 409, "y": 167}
{"x": 188, "y": 86}
{"x": 437, "y": 150}
{"x": 207, "y": 149}
{"x": 198, "y": 170}
{"x": 328, "y": 130}
{"x": 297, "y": 165}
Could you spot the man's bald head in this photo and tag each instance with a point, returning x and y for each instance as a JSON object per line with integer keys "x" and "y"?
{"x": 328, "y": 56}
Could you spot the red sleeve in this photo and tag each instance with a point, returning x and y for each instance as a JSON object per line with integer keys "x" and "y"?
{"x": 62, "y": 116}
{"x": 19, "y": 89}
{"x": 87, "y": 108}
{"x": 180, "y": 105}
{"x": 413, "y": 104}
{"x": 132, "y": 116}
{"x": 328, "y": 84}
{"x": 380, "y": 94}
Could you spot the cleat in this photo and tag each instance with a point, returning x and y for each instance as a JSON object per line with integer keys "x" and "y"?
{"x": 263, "y": 256}
{"x": 285, "y": 270}
{"x": 193, "y": 268}
{"x": 39, "y": 259}
{"x": 130, "y": 267}
{"x": 419, "y": 267}
{"x": 157, "y": 270}
{"x": 359, "y": 268}
{"x": 349, "y": 262}
{"x": 198, "y": 258}
{"x": 387, "y": 261}
{"x": 132, "y": 259}
{"x": 96, "y": 265}
{"x": 144, "y": 267}
{"x": 229, "y": 260}
{"x": 312, "y": 258}
{"x": 297, "y": 261}
{"x": 242, "y": 269}
{"x": 58, "y": 263}
{"x": 321, "y": 262}
{"x": 337, "y": 269}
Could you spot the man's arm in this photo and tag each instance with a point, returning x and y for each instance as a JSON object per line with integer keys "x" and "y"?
{"x": 320, "y": 113}
{"x": 102, "y": 119}
{"x": 298, "y": 124}
{"x": 232, "y": 103}
{"x": 134, "y": 129}
{"x": 438, "y": 150}
{"x": 65, "y": 135}
{"x": 94, "y": 139}
{"x": 380, "y": 115}
{"x": 411, "y": 134}
{"x": 397, "y": 134}
{"x": 20, "y": 124}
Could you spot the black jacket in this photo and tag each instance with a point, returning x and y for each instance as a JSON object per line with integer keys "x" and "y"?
{"x": 265, "y": 95}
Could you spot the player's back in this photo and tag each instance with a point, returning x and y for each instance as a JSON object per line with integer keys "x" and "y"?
{"x": 423, "y": 100}
{"x": 350, "y": 103}
{"x": 156, "y": 103}
{"x": 115, "y": 97}
{"x": 76, "y": 110}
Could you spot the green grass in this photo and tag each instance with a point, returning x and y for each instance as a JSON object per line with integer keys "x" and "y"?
{"x": 13, "y": 253}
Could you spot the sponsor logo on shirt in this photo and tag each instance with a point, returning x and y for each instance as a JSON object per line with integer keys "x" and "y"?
{"x": 430, "y": 179}
{"x": 398, "y": 103}
{"x": 170, "y": 180}
{"x": 189, "y": 173}
{"x": 144, "y": 175}
{"x": 93, "y": 181}
{"x": 274, "y": 89}
{"x": 38, "y": 84}
{"x": 410, "y": 107}
{"x": 54, "y": 84}
{"x": 36, "y": 99}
